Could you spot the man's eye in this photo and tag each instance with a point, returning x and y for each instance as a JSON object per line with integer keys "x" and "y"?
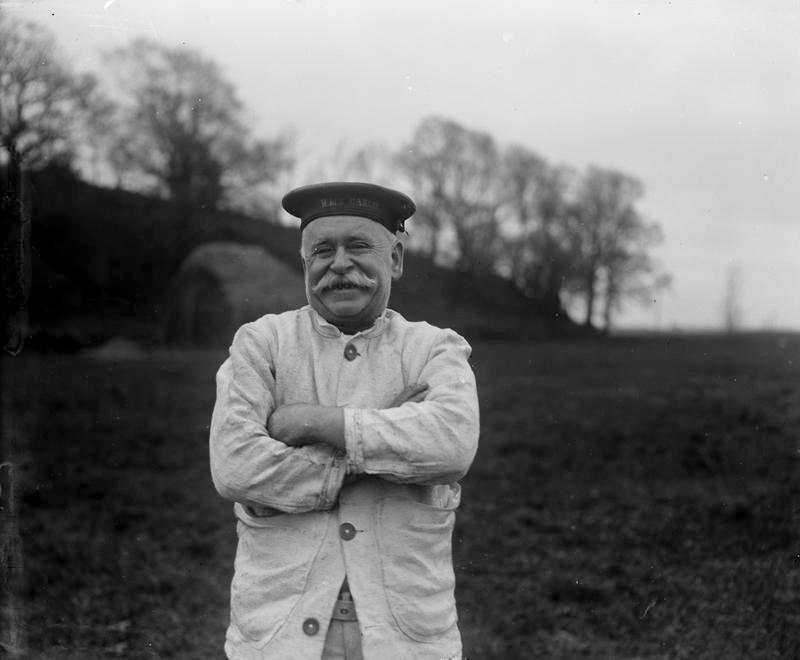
{"x": 359, "y": 245}
{"x": 321, "y": 250}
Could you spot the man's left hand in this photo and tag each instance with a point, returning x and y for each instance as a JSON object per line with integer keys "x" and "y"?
{"x": 300, "y": 424}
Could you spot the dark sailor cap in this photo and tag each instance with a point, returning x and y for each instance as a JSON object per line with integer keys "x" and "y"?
{"x": 368, "y": 200}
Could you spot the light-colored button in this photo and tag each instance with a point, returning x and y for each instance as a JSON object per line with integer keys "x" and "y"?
{"x": 347, "y": 531}
{"x": 311, "y": 626}
{"x": 350, "y": 352}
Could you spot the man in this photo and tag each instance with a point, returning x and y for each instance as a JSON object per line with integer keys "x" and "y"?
{"x": 340, "y": 431}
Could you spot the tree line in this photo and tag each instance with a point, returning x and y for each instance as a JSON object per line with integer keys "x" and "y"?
{"x": 167, "y": 121}
{"x": 564, "y": 237}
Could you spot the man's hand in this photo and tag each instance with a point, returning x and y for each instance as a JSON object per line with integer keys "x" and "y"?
{"x": 300, "y": 424}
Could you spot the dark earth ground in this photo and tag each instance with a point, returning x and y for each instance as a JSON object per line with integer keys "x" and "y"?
{"x": 631, "y": 498}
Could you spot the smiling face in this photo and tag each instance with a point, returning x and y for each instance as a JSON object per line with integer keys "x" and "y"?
{"x": 349, "y": 264}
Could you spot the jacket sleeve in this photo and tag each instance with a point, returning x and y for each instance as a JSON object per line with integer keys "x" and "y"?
{"x": 430, "y": 442}
{"x": 247, "y": 465}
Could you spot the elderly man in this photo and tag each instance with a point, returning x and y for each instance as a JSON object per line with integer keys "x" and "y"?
{"x": 340, "y": 432}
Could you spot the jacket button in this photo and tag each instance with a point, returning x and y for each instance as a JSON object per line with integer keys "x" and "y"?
{"x": 350, "y": 352}
{"x": 310, "y": 627}
{"x": 347, "y": 531}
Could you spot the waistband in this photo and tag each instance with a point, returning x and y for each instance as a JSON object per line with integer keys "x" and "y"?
{"x": 345, "y": 608}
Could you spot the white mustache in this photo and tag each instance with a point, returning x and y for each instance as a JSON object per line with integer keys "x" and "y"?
{"x": 356, "y": 279}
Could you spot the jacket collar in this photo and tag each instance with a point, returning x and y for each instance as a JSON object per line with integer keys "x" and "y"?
{"x": 329, "y": 330}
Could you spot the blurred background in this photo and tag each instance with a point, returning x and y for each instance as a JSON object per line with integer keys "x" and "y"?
{"x": 606, "y": 210}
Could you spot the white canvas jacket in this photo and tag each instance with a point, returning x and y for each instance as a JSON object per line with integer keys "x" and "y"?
{"x": 381, "y": 513}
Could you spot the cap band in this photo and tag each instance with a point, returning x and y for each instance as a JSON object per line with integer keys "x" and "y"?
{"x": 388, "y": 207}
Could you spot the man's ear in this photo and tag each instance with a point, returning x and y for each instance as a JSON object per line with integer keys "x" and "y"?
{"x": 398, "y": 250}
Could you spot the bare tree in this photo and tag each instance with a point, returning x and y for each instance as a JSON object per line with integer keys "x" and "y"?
{"x": 43, "y": 105}
{"x": 183, "y": 131}
{"x": 537, "y": 211}
{"x": 732, "y": 302}
{"x": 454, "y": 174}
{"x": 630, "y": 273}
{"x": 43, "y": 108}
{"x": 612, "y": 241}
{"x": 373, "y": 162}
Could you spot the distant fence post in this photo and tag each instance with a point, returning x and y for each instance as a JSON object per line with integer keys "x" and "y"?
{"x": 12, "y": 635}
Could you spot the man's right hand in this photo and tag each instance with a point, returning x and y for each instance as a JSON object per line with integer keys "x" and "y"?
{"x": 300, "y": 424}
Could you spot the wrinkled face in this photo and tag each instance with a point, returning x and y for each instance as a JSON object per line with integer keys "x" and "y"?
{"x": 349, "y": 264}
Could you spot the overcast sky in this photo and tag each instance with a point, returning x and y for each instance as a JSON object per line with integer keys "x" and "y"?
{"x": 698, "y": 99}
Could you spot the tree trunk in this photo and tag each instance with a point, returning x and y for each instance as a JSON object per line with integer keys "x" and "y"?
{"x": 612, "y": 294}
{"x": 15, "y": 234}
{"x": 607, "y": 316}
{"x": 590, "y": 295}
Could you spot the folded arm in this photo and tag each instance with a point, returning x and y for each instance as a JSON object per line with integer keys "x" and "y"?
{"x": 301, "y": 424}
{"x": 432, "y": 441}
{"x": 428, "y": 434}
{"x": 248, "y": 464}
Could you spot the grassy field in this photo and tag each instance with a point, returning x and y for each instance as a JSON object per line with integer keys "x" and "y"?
{"x": 631, "y": 498}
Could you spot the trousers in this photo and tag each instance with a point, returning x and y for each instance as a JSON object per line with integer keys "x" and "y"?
{"x": 343, "y": 640}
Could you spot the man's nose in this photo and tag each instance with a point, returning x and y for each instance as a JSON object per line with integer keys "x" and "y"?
{"x": 341, "y": 260}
